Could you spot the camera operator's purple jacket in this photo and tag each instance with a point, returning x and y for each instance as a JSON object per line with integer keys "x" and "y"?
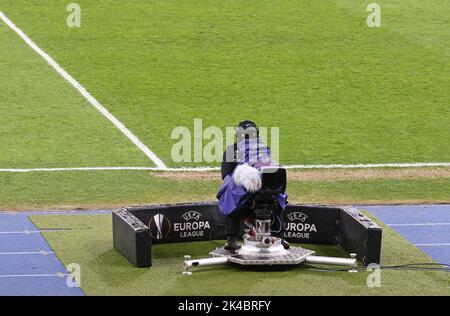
{"x": 232, "y": 196}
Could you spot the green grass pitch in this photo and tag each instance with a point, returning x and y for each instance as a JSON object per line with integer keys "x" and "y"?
{"x": 339, "y": 91}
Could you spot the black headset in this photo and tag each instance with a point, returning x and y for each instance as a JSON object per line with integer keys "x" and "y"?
{"x": 242, "y": 126}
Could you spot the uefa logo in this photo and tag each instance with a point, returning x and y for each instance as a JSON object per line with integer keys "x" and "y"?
{"x": 297, "y": 216}
{"x": 159, "y": 226}
{"x": 191, "y": 215}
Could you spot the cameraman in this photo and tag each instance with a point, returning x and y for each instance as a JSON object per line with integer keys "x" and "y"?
{"x": 235, "y": 199}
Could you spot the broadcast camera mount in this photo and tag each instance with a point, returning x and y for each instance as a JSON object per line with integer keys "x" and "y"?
{"x": 262, "y": 249}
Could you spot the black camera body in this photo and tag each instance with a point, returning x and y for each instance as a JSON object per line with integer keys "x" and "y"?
{"x": 265, "y": 202}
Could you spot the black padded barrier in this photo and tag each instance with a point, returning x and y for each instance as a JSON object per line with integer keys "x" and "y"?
{"x": 184, "y": 222}
{"x": 359, "y": 234}
{"x": 136, "y": 228}
{"x": 131, "y": 238}
{"x": 311, "y": 224}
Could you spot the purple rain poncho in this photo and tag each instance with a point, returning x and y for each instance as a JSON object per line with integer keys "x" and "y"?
{"x": 232, "y": 196}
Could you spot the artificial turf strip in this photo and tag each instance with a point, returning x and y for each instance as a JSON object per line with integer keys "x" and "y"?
{"x": 105, "y": 272}
{"x": 109, "y": 189}
{"x": 340, "y": 92}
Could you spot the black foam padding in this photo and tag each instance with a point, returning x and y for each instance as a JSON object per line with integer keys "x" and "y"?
{"x": 131, "y": 238}
{"x": 184, "y": 222}
{"x": 312, "y": 224}
{"x": 360, "y": 235}
{"x": 136, "y": 228}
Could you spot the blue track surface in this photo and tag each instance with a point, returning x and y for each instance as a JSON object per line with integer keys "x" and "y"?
{"x": 28, "y": 265}
{"x": 425, "y": 226}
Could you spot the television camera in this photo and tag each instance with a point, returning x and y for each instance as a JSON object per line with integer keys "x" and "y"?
{"x": 261, "y": 248}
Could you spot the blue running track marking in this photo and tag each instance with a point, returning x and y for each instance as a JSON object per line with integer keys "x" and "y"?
{"x": 28, "y": 265}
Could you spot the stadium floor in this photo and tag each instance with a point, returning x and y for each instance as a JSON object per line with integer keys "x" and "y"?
{"x": 42, "y": 273}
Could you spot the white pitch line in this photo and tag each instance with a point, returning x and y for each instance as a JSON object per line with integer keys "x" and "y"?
{"x": 420, "y": 224}
{"x": 371, "y": 165}
{"x": 22, "y": 232}
{"x": 20, "y": 170}
{"x": 158, "y": 162}
{"x": 60, "y": 275}
{"x": 79, "y": 169}
{"x": 28, "y": 232}
{"x": 200, "y": 169}
{"x": 431, "y": 245}
{"x": 42, "y": 253}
